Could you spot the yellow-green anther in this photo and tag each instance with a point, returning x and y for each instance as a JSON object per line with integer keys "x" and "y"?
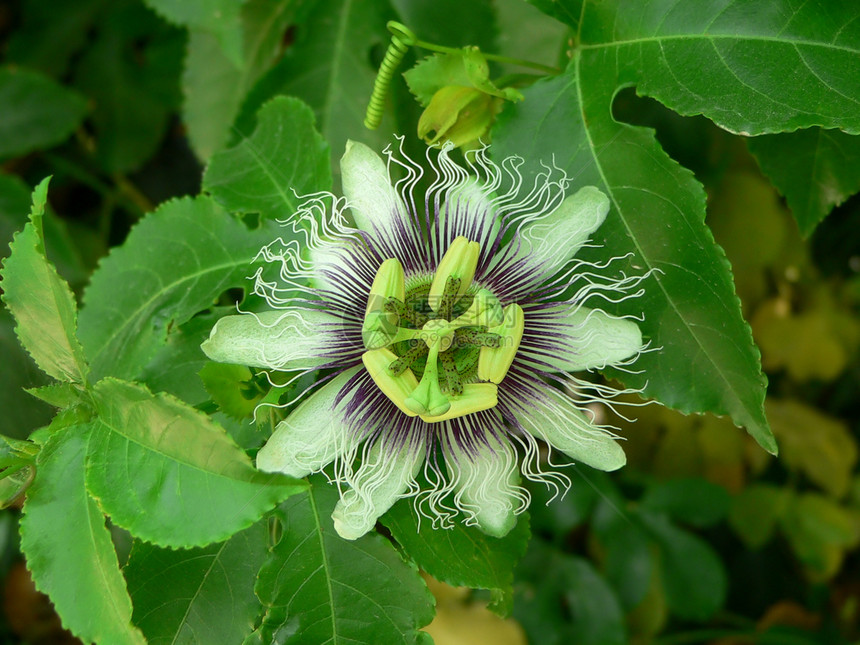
{"x": 427, "y": 399}
{"x": 397, "y": 388}
{"x": 486, "y": 311}
{"x": 475, "y": 397}
{"x": 494, "y": 362}
{"x": 459, "y": 261}
{"x": 380, "y": 325}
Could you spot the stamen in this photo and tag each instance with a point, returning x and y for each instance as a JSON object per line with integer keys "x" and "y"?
{"x": 449, "y": 297}
{"x": 410, "y": 315}
{"x": 459, "y": 261}
{"x": 480, "y": 338}
{"x": 397, "y": 388}
{"x": 449, "y": 367}
{"x": 405, "y": 361}
{"x": 494, "y": 362}
{"x": 379, "y": 326}
{"x": 485, "y": 311}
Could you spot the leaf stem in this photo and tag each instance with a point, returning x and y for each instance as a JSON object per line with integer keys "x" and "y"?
{"x": 407, "y": 37}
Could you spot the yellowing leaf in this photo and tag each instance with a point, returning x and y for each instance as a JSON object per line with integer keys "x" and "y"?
{"x": 819, "y": 446}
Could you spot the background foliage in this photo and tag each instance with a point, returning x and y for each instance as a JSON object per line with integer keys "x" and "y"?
{"x": 176, "y": 133}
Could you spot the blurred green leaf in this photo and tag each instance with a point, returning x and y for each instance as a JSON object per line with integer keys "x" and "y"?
{"x": 629, "y": 564}
{"x": 561, "y": 599}
{"x": 203, "y": 595}
{"x": 227, "y": 385}
{"x": 755, "y": 511}
{"x": 525, "y": 32}
{"x": 167, "y": 474}
{"x": 558, "y": 516}
{"x": 697, "y": 502}
{"x": 692, "y": 573}
{"x": 269, "y": 172}
{"x": 820, "y": 531}
{"x": 131, "y": 73}
{"x": 461, "y": 556}
{"x": 329, "y": 67}
{"x": 41, "y": 301}
{"x": 14, "y": 206}
{"x": 38, "y": 113}
{"x": 319, "y": 588}
{"x": 69, "y": 550}
{"x": 218, "y": 17}
{"x": 450, "y": 22}
{"x": 51, "y": 33}
{"x": 173, "y": 264}
{"x": 214, "y": 87}
{"x": 818, "y": 445}
{"x": 815, "y": 169}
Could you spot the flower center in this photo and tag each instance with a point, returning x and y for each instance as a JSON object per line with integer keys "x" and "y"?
{"x": 439, "y": 349}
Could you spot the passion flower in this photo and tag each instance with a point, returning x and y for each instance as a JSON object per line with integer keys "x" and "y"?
{"x": 445, "y": 334}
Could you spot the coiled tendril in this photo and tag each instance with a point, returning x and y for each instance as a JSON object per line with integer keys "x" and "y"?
{"x": 401, "y": 40}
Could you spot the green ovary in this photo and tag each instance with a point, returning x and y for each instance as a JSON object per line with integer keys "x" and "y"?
{"x": 438, "y": 348}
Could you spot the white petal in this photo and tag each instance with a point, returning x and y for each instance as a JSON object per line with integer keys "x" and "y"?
{"x": 557, "y": 420}
{"x": 487, "y": 483}
{"x": 312, "y": 436}
{"x": 286, "y": 339}
{"x": 387, "y": 471}
{"x": 375, "y": 205}
{"x": 553, "y": 240}
{"x": 593, "y": 339}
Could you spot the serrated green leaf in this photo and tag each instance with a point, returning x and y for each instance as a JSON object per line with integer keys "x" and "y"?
{"x": 814, "y": 169}
{"x": 214, "y": 87}
{"x": 461, "y": 556}
{"x": 68, "y": 548}
{"x": 329, "y": 67}
{"x": 552, "y": 587}
{"x": 173, "y": 264}
{"x": 218, "y": 17}
{"x": 167, "y": 474}
{"x": 177, "y": 364}
{"x": 466, "y": 68}
{"x": 693, "y": 575}
{"x": 320, "y": 588}
{"x": 131, "y": 74}
{"x": 268, "y": 173}
{"x": 37, "y": 112}
{"x": 41, "y": 301}
{"x": 60, "y": 395}
{"x": 203, "y": 595}
{"x": 707, "y": 360}
{"x": 751, "y": 66}
{"x": 697, "y": 502}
